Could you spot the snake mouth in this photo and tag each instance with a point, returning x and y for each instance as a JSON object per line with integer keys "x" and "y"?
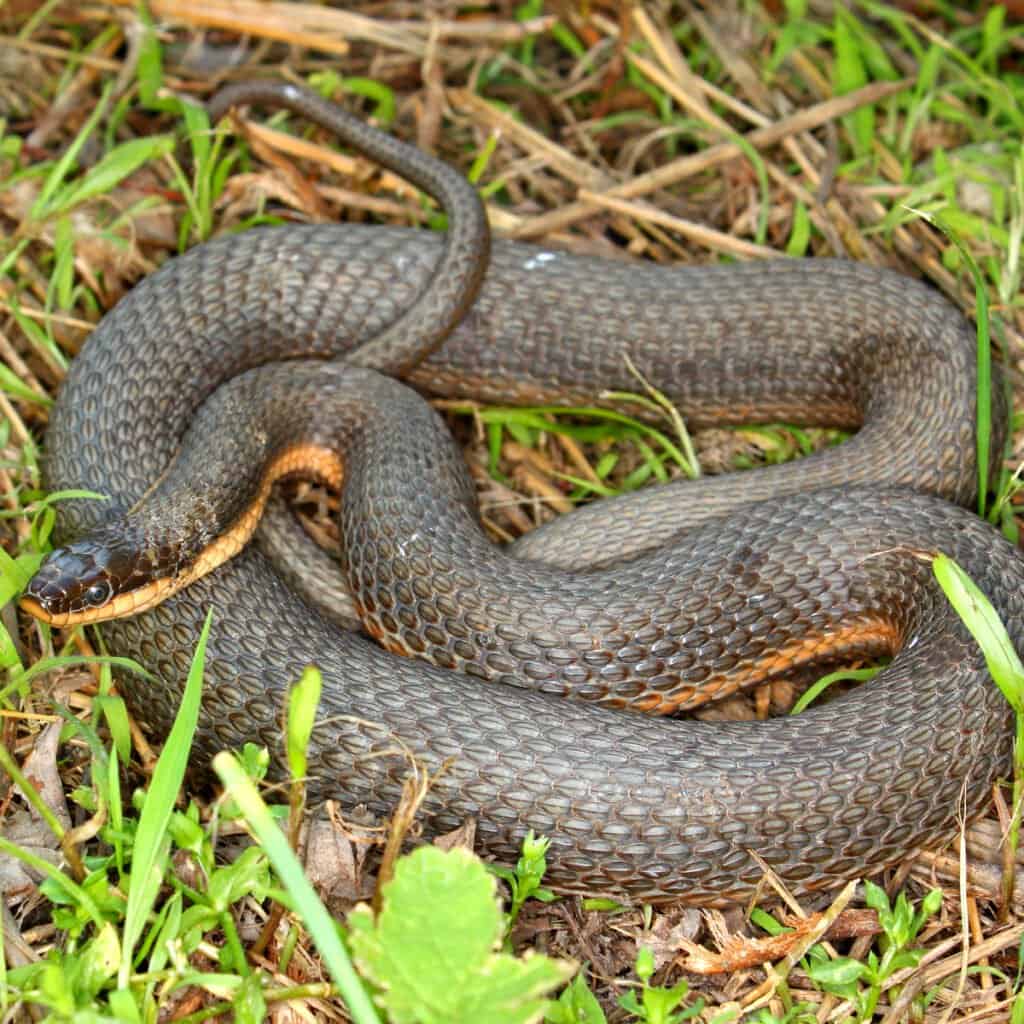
{"x": 39, "y": 611}
{"x": 60, "y": 613}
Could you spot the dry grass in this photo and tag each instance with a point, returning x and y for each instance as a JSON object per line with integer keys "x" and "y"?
{"x": 607, "y": 133}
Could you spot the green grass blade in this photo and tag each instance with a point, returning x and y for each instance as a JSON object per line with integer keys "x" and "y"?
{"x": 75, "y": 892}
{"x": 117, "y": 165}
{"x": 984, "y": 624}
{"x": 44, "y": 203}
{"x": 13, "y": 385}
{"x": 303, "y": 700}
{"x": 812, "y": 693}
{"x": 45, "y": 665}
{"x": 849, "y": 74}
{"x": 30, "y": 793}
{"x": 320, "y": 924}
{"x": 152, "y": 839}
{"x": 983, "y": 358}
{"x": 800, "y": 233}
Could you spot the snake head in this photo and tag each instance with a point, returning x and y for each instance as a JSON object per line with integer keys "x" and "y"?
{"x": 103, "y": 576}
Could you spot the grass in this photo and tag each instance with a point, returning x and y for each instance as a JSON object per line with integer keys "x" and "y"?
{"x": 433, "y": 952}
{"x": 103, "y": 193}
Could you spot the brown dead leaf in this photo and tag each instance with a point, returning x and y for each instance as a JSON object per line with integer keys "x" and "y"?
{"x": 670, "y": 931}
{"x": 40, "y": 768}
{"x": 244, "y": 194}
{"x": 31, "y": 835}
{"x": 333, "y": 866}
{"x": 462, "y": 837}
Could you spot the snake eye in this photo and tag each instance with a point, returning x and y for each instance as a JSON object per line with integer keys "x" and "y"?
{"x": 98, "y": 594}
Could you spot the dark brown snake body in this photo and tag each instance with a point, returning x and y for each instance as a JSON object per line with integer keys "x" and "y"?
{"x": 650, "y": 807}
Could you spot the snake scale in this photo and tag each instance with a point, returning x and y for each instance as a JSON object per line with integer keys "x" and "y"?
{"x": 613, "y": 604}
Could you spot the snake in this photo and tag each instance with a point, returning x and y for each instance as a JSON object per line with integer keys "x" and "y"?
{"x": 516, "y": 676}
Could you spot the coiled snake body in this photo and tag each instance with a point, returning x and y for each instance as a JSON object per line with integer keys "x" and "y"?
{"x": 783, "y": 568}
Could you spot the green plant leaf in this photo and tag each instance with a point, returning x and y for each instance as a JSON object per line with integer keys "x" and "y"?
{"x": 99, "y": 961}
{"x": 12, "y": 384}
{"x": 800, "y": 233}
{"x": 1017, "y": 1013}
{"x": 124, "y": 1007}
{"x": 432, "y": 951}
{"x": 814, "y": 691}
{"x": 576, "y": 1005}
{"x": 875, "y": 897}
{"x": 250, "y": 1006}
{"x": 835, "y": 975}
{"x": 303, "y": 699}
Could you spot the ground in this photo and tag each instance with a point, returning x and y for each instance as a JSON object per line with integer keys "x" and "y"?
{"x": 660, "y": 131}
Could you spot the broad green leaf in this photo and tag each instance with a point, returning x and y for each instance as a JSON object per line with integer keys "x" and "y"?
{"x": 249, "y": 1004}
{"x": 433, "y": 949}
{"x": 16, "y": 572}
{"x": 247, "y": 875}
{"x": 122, "y": 1002}
{"x": 875, "y": 897}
